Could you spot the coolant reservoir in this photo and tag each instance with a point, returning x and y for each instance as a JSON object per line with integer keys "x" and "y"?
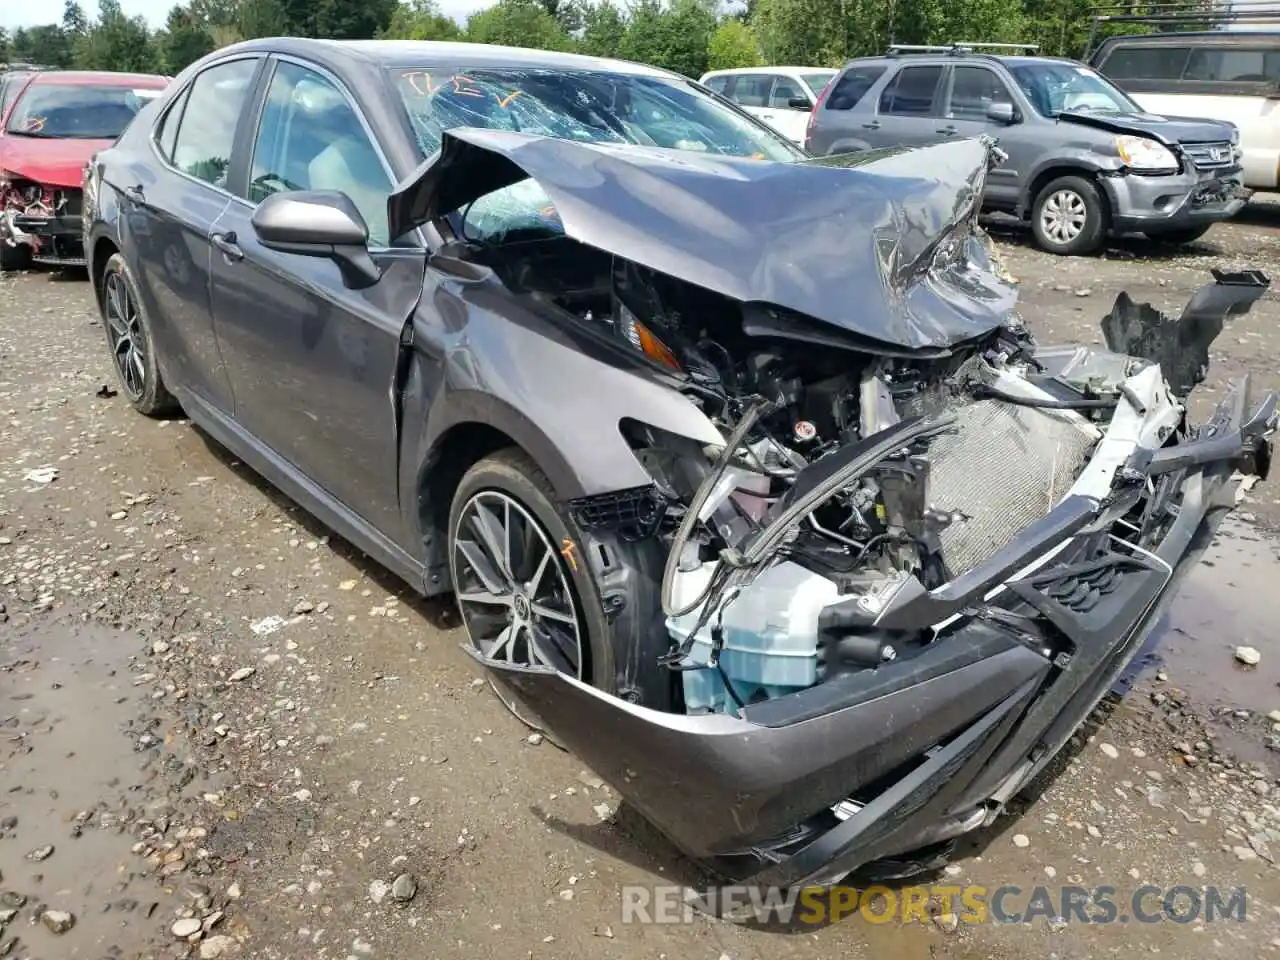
{"x": 770, "y": 637}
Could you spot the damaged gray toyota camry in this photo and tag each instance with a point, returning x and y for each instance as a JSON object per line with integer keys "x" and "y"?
{"x": 750, "y": 482}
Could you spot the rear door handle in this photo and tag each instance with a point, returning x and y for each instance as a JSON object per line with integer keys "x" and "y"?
{"x": 873, "y": 125}
{"x": 226, "y": 242}
{"x": 949, "y": 131}
{"x": 135, "y": 194}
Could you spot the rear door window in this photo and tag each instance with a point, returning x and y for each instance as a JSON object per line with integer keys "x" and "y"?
{"x": 912, "y": 92}
{"x": 717, "y": 84}
{"x": 852, "y": 87}
{"x": 207, "y": 129}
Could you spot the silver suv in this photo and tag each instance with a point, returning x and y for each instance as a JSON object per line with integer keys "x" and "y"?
{"x": 1083, "y": 161}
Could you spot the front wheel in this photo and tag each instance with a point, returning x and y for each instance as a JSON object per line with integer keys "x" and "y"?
{"x": 1069, "y": 217}
{"x": 1178, "y": 237}
{"x": 522, "y": 591}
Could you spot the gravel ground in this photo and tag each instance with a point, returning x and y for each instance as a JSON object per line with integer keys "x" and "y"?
{"x": 223, "y": 733}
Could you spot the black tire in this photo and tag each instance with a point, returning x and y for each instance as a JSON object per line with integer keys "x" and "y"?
{"x": 1092, "y": 230}
{"x": 146, "y": 391}
{"x": 619, "y": 645}
{"x": 1178, "y": 237}
{"x": 14, "y": 258}
{"x": 512, "y": 474}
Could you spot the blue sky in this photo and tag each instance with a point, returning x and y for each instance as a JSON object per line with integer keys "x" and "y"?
{"x": 19, "y": 13}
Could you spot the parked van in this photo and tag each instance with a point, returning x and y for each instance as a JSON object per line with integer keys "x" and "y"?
{"x": 1224, "y": 74}
{"x": 782, "y": 97}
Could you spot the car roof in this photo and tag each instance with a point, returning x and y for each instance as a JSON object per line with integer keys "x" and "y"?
{"x": 970, "y": 58}
{"x": 732, "y": 70}
{"x": 417, "y": 53}
{"x": 97, "y": 78}
{"x": 1240, "y": 36}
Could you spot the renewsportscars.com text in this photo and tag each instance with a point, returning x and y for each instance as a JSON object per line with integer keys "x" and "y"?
{"x": 969, "y": 904}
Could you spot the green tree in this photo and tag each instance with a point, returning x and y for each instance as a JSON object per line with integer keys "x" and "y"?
{"x": 518, "y": 23}
{"x": 335, "y": 19}
{"x": 46, "y": 45}
{"x": 733, "y": 44}
{"x": 4, "y": 45}
{"x": 420, "y": 20}
{"x": 256, "y": 18}
{"x": 116, "y": 42}
{"x": 186, "y": 39}
{"x": 74, "y": 21}
{"x": 603, "y": 27}
{"x": 671, "y": 36}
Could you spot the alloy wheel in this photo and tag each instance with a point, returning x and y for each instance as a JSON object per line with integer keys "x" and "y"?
{"x": 512, "y": 591}
{"x": 1063, "y": 216}
{"x": 124, "y": 328}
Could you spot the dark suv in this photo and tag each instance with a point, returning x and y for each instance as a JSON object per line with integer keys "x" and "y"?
{"x": 1083, "y": 158}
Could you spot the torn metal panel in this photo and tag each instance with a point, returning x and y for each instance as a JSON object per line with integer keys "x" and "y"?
{"x": 899, "y": 229}
{"x": 1181, "y": 346}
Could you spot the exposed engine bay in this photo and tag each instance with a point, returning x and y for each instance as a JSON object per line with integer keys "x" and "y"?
{"x": 851, "y": 474}
{"x": 27, "y": 208}
{"x": 884, "y": 552}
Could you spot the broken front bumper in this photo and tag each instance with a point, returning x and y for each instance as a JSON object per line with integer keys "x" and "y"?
{"x": 1145, "y": 203}
{"x": 52, "y": 239}
{"x": 806, "y": 788}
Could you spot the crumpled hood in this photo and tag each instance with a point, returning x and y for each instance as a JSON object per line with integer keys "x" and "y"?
{"x": 53, "y": 162}
{"x": 882, "y": 245}
{"x": 1167, "y": 130}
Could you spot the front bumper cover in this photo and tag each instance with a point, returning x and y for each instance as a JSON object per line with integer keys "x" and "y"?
{"x": 1153, "y": 203}
{"x": 54, "y": 239}
{"x": 933, "y": 746}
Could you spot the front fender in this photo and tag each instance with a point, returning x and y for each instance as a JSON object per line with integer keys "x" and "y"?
{"x": 483, "y": 362}
{"x": 557, "y": 394}
{"x": 1074, "y": 160}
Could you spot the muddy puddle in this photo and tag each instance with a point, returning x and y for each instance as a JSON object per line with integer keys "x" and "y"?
{"x": 75, "y": 794}
{"x": 1231, "y": 599}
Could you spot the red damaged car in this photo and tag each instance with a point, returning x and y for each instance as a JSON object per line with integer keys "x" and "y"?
{"x": 48, "y": 132}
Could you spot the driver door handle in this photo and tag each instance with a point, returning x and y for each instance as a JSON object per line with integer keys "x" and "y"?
{"x": 226, "y": 242}
{"x": 873, "y": 125}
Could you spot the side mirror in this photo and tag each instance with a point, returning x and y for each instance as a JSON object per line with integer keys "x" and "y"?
{"x": 799, "y": 103}
{"x": 1001, "y": 113}
{"x": 318, "y": 223}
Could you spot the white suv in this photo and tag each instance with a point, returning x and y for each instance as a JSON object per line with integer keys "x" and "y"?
{"x": 782, "y": 97}
{"x": 1225, "y": 74}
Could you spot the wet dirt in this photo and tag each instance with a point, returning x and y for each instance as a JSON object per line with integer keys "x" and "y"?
{"x": 305, "y": 763}
{"x": 70, "y": 769}
{"x": 1228, "y": 601}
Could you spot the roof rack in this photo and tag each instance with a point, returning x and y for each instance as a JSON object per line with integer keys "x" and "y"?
{"x": 1183, "y": 13}
{"x": 959, "y": 49}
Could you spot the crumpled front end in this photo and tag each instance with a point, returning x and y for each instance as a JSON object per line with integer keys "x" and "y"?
{"x": 866, "y": 690}
{"x": 46, "y": 219}
{"x": 924, "y": 546}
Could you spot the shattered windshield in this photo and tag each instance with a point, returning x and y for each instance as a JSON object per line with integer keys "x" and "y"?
{"x": 579, "y": 105}
{"x": 73, "y": 111}
{"x": 1055, "y": 88}
{"x": 584, "y": 105}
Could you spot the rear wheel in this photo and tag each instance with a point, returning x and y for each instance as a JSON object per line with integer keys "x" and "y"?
{"x": 1069, "y": 216}
{"x": 1186, "y": 235}
{"x": 133, "y": 351}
